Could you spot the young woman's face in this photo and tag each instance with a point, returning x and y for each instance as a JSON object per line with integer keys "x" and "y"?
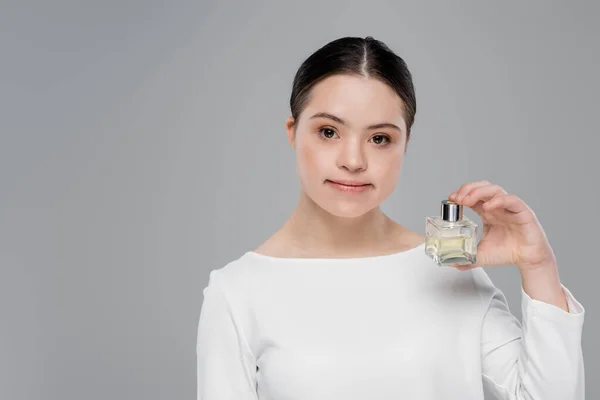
{"x": 352, "y": 129}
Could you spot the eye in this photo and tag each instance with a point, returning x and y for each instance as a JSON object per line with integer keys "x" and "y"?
{"x": 378, "y": 139}
{"x": 326, "y": 133}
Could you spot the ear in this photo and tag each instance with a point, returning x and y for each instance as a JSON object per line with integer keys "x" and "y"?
{"x": 291, "y": 131}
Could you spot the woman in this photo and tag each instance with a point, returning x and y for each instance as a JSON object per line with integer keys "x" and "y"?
{"x": 343, "y": 303}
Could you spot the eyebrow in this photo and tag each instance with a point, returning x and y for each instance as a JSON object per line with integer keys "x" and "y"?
{"x": 342, "y": 122}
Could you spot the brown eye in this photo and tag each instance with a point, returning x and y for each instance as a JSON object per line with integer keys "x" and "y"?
{"x": 381, "y": 139}
{"x": 328, "y": 133}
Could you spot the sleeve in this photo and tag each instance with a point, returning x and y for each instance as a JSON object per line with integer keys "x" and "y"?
{"x": 537, "y": 358}
{"x": 226, "y": 367}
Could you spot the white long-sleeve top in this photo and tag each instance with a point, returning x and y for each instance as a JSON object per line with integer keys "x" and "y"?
{"x": 383, "y": 327}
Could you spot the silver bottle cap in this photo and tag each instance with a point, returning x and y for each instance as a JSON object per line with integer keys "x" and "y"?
{"x": 451, "y": 211}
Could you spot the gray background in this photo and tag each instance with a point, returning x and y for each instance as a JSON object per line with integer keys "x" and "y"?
{"x": 143, "y": 144}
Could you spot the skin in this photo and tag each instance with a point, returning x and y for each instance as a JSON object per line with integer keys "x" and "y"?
{"x": 327, "y": 222}
{"x": 513, "y": 235}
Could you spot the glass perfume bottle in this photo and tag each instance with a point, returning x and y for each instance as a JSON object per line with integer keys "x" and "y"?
{"x": 451, "y": 237}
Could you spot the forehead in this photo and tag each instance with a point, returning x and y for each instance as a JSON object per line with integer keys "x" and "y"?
{"x": 357, "y": 99}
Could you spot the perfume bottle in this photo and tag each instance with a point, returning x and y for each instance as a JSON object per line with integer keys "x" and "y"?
{"x": 451, "y": 237}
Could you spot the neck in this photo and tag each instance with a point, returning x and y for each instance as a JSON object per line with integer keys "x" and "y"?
{"x": 312, "y": 228}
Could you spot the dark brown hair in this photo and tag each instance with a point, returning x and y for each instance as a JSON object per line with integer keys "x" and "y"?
{"x": 360, "y": 56}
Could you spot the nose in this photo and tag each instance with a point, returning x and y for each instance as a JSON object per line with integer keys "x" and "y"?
{"x": 352, "y": 157}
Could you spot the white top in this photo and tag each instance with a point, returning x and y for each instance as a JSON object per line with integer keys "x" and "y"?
{"x": 383, "y": 327}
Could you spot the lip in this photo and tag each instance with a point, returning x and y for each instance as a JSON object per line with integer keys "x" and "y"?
{"x": 349, "y": 183}
{"x": 349, "y": 186}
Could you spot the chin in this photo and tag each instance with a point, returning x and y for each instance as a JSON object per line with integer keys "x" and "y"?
{"x": 345, "y": 209}
{"x": 345, "y": 205}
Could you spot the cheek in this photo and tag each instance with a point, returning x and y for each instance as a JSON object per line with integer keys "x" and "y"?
{"x": 306, "y": 156}
{"x": 307, "y": 162}
{"x": 312, "y": 160}
{"x": 389, "y": 170}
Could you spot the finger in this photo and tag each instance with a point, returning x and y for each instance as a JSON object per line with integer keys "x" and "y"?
{"x": 466, "y": 188}
{"x": 509, "y": 202}
{"x": 514, "y": 204}
{"x": 513, "y": 209}
{"x": 464, "y": 267}
{"x": 481, "y": 193}
{"x": 497, "y": 201}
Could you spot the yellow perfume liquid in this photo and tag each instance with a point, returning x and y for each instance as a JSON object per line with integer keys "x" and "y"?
{"x": 450, "y": 250}
{"x": 451, "y": 237}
